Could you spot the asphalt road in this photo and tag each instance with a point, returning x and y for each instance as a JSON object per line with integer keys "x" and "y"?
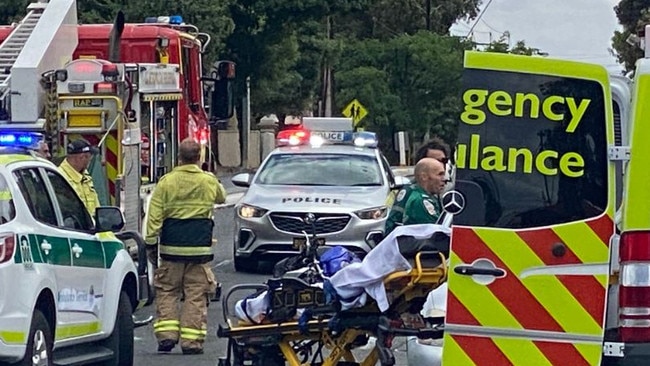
{"x": 145, "y": 342}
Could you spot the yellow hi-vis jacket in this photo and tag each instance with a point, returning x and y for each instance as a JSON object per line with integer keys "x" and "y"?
{"x": 82, "y": 184}
{"x": 180, "y": 213}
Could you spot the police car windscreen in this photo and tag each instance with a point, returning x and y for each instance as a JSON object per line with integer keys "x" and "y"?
{"x": 320, "y": 169}
{"x": 536, "y": 145}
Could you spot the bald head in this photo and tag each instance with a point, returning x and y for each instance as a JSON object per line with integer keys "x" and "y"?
{"x": 430, "y": 175}
{"x": 189, "y": 151}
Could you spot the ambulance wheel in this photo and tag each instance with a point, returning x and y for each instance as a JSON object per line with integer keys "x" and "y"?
{"x": 39, "y": 343}
{"x": 121, "y": 340}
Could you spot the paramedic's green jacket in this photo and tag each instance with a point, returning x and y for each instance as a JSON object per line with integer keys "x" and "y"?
{"x": 413, "y": 205}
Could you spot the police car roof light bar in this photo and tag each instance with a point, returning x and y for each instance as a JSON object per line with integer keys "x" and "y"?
{"x": 20, "y": 139}
{"x": 365, "y": 138}
{"x": 292, "y": 138}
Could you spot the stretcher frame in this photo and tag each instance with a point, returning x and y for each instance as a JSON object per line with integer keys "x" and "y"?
{"x": 407, "y": 290}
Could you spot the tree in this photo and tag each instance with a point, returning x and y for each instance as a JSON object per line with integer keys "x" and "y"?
{"x": 411, "y": 83}
{"x": 12, "y": 10}
{"x": 501, "y": 46}
{"x": 633, "y": 15}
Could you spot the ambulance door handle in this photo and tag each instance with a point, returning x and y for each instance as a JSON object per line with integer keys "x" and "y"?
{"x": 77, "y": 250}
{"x": 472, "y": 271}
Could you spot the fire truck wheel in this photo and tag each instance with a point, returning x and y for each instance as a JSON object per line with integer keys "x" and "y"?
{"x": 121, "y": 340}
{"x": 39, "y": 343}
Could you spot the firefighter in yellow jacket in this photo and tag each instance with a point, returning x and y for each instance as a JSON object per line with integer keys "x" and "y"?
{"x": 179, "y": 231}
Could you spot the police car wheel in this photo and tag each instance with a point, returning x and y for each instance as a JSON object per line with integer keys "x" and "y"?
{"x": 121, "y": 340}
{"x": 39, "y": 343}
{"x": 245, "y": 265}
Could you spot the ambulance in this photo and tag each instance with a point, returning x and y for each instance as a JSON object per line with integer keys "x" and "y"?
{"x": 552, "y": 266}
{"x": 69, "y": 285}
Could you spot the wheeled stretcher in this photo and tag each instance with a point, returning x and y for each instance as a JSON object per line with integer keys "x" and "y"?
{"x": 303, "y": 328}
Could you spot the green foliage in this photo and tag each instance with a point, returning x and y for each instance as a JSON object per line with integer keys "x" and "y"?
{"x": 404, "y": 69}
{"x": 12, "y": 10}
{"x": 411, "y": 83}
{"x": 633, "y": 15}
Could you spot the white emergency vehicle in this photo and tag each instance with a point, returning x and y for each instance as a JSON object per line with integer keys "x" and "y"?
{"x": 69, "y": 285}
{"x": 549, "y": 258}
{"x": 322, "y": 170}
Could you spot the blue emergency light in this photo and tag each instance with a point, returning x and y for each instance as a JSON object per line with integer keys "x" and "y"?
{"x": 365, "y": 138}
{"x": 25, "y": 140}
{"x": 173, "y": 19}
{"x": 318, "y": 138}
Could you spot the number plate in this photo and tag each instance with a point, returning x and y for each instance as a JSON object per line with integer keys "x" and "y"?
{"x": 330, "y": 135}
{"x": 87, "y": 102}
{"x": 301, "y": 242}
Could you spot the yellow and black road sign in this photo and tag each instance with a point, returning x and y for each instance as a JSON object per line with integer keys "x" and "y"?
{"x": 356, "y": 111}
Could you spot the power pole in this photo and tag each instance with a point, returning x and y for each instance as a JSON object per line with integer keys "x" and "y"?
{"x": 328, "y": 75}
{"x": 427, "y": 8}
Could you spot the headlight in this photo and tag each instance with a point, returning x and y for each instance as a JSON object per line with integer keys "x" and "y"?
{"x": 247, "y": 211}
{"x": 372, "y": 213}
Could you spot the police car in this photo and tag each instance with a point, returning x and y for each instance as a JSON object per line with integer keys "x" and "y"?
{"x": 338, "y": 178}
{"x": 69, "y": 286}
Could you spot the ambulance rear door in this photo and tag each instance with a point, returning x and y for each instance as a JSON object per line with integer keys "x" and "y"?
{"x": 529, "y": 257}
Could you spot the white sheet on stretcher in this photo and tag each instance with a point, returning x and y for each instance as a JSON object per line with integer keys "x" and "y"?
{"x": 356, "y": 280}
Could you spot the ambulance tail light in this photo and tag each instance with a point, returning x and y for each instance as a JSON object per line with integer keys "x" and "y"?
{"x": 634, "y": 291}
{"x": 292, "y": 137}
{"x": 7, "y": 247}
{"x": 105, "y": 88}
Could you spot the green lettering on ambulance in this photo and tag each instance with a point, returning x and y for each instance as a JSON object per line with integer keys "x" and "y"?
{"x": 577, "y": 112}
{"x": 475, "y": 142}
{"x": 461, "y": 156}
{"x": 572, "y": 160}
{"x": 540, "y": 162}
{"x": 497, "y": 99}
{"x": 520, "y": 99}
{"x": 514, "y": 153}
{"x": 473, "y": 98}
{"x": 492, "y": 159}
{"x": 547, "y": 107}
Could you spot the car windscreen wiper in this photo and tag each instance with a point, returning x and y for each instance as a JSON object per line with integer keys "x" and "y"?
{"x": 374, "y": 184}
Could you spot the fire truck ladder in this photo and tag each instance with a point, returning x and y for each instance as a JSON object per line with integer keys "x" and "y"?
{"x": 11, "y": 48}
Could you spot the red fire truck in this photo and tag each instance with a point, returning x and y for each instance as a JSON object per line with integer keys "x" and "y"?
{"x": 165, "y": 40}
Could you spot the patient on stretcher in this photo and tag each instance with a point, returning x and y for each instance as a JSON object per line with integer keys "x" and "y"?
{"x": 350, "y": 284}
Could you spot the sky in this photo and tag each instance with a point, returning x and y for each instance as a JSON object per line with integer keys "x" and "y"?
{"x": 579, "y": 30}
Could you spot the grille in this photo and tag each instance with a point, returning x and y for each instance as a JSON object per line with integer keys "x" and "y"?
{"x": 293, "y": 222}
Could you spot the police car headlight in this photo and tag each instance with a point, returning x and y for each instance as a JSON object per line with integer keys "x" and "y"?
{"x": 247, "y": 211}
{"x": 372, "y": 213}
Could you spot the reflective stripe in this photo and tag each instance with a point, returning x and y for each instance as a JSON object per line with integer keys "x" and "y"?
{"x": 166, "y": 326}
{"x": 77, "y": 330}
{"x": 174, "y": 250}
{"x": 193, "y": 334}
{"x": 13, "y": 337}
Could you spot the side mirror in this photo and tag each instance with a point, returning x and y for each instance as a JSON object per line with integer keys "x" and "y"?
{"x": 401, "y": 182}
{"x": 109, "y": 218}
{"x": 242, "y": 180}
{"x": 221, "y": 82}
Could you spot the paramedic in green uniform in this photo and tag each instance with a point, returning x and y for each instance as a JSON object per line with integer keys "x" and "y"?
{"x": 419, "y": 203}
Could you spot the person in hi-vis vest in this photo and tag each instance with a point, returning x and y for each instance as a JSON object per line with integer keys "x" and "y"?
{"x": 179, "y": 237}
